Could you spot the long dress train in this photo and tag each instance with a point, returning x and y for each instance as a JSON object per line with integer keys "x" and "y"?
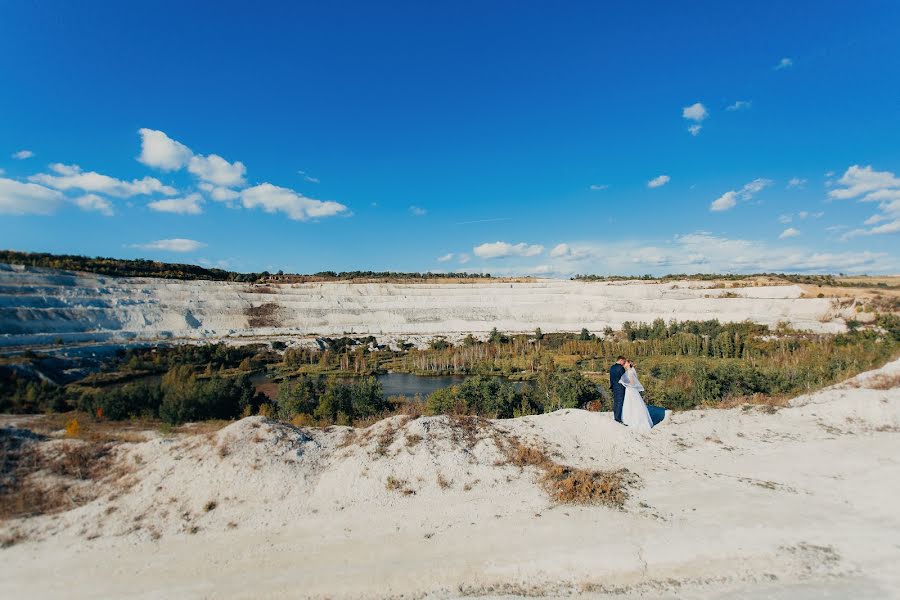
{"x": 634, "y": 411}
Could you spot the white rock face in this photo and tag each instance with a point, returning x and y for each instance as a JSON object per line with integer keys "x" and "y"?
{"x": 39, "y": 305}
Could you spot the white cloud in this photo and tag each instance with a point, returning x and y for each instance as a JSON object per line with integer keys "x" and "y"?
{"x": 875, "y": 219}
{"x": 189, "y": 205}
{"x": 219, "y": 194}
{"x": 796, "y": 182}
{"x": 700, "y": 252}
{"x": 658, "y": 181}
{"x": 785, "y": 218}
{"x": 730, "y": 198}
{"x": 560, "y": 250}
{"x": 217, "y": 170}
{"x": 695, "y": 129}
{"x": 464, "y": 258}
{"x": 17, "y": 198}
{"x": 789, "y": 233}
{"x": 504, "y": 249}
{"x": 72, "y": 177}
{"x": 22, "y": 154}
{"x": 418, "y": 211}
{"x": 162, "y": 152}
{"x": 93, "y": 202}
{"x": 598, "y": 188}
{"x": 726, "y": 201}
{"x": 695, "y": 112}
{"x": 868, "y": 185}
{"x": 784, "y": 63}
{"x": 298, "y": 207}
{"x": 864, "y": 181}
{"x": 446, "y": 257}
{"x": 172, "y": 245}
{"x": 739, "y": 105}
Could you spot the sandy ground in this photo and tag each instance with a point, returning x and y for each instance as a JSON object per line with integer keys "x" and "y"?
{"x": 739, "y": 503}
{"x": 42, "y": 307}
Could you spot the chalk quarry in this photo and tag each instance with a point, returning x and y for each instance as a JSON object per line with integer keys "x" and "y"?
{"x": 42, "y": 307}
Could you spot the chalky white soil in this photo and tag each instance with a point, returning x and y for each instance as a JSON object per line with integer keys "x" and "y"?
{"x": 742, "y": 503}
{"x": 41, "y": 306}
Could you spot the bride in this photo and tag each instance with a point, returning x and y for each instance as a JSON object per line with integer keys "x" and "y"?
{"x": 634, "y": 411}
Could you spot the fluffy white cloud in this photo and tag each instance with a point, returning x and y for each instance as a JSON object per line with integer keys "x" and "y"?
{"x": 865, "y": 181}
{"x": 72, "y": 177}
{"x": 695, "y": 129}
{"x": 447, "y": 257}
{"x": 162, "y": 152}
{"x": 504, "y": 249}
{"x": 789, "y": 233}
{"x": 272, "y": 198}
{"x": 785, "y": 218}
{"x": 658, "y": 181}
{"x": 22, "y": 154}
{"x": 784, "y": 63}
{"x": 189, "y": 205}
{"x": 695, "y": 112}
{"x": 560, "y": 250}
{"x": 730, "y": 198}
{"x": 726, "y": 201}
{"x": 796, "y": 182}
{"x": 220, "y": 194}
{"x": 17, "y": 198}
{"x": 171, "y": 245}
{"x": 739, "y": 105}
{"x": 464, "y": 258}
{"x": 868, "y": 185}
{"x": 95, "y": 203}
{"x": 215, "y": 169}
{"x": 418, "y": 211}
{"x": 599, "y": 188}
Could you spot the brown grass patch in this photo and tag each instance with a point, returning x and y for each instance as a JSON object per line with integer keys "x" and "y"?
{"x": 880, "y": 382}
{"x": 394, "y": 484}
{"x": 759, "y": 400}
{"x": 568, "y": 485}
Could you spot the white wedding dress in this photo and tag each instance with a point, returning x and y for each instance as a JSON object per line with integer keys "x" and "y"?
{"x": 634, "y": 411}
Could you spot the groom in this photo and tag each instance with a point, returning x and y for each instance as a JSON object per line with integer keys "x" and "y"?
{"x": 618, "y": 390}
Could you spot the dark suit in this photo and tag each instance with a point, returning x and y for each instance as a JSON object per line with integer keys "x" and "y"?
{"x": 618, "y": 390}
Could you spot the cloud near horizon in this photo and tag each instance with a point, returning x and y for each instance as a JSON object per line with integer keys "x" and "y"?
{"x": 864, "y": 184}
{"x": 503, "y": 249}
{"x": 171, "y": 245}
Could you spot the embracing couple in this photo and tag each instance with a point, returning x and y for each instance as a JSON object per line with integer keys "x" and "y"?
{"x": 628, "y": 405}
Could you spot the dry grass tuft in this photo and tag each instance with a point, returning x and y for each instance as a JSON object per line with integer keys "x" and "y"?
{"x": 211, "y": 505}
{"x": 398, "y": 485}
{"x": 880, "y": 382}
{"x": 568, "y": 485}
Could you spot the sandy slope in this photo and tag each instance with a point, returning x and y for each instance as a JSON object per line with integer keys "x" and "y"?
{"x": 738, "y": 503}
{"x": 40, "y": 306}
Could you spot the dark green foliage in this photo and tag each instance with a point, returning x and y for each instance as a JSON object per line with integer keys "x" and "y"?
{"x": 187, "y": 397}
{"x": 119, "y": 403}
{"x": 20, "y": 394}
{"x": 486, "y": 396}
{"x": 331, "y": 400}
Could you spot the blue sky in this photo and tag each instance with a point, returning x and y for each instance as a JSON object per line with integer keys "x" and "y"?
{"x": 507, "y": 137}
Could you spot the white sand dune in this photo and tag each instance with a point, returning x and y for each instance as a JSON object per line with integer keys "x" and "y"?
{"x": 41, "y": 306}
{"x": 741, "y": 503}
